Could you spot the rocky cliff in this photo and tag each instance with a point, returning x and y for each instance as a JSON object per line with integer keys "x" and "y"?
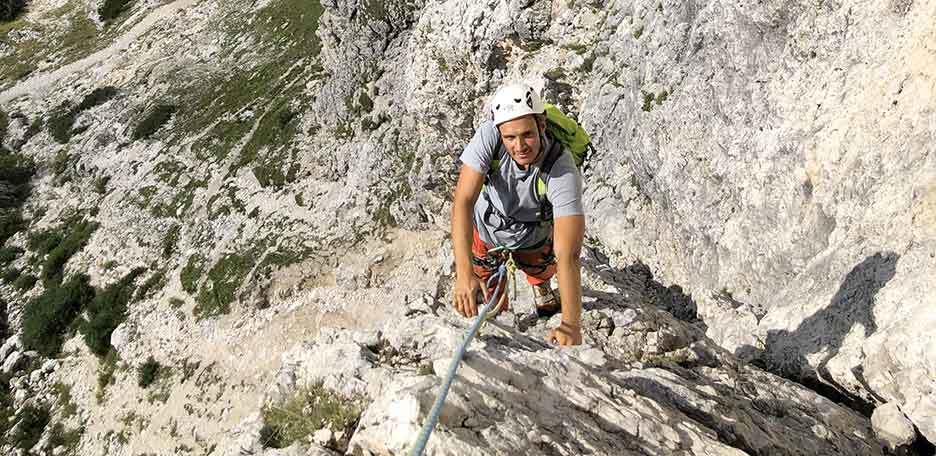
{"x": 214, "y": 211}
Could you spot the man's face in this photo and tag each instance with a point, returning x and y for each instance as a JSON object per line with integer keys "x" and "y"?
{"x": 521, "y": 138}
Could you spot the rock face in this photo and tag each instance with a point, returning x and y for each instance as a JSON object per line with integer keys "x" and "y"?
{"x": 771, "y": 183}
{"x": 763, "y": 170}
{"x": 515, "y": 394}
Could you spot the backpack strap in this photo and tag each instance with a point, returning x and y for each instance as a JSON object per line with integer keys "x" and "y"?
{"x": 552, "y": 156}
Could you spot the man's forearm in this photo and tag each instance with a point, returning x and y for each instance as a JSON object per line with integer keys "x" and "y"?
{"x": 569, "y": 271}
{"x": 461, "y": 239}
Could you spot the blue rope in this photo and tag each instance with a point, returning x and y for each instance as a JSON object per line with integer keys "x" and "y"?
{"x": 423, "y": 437}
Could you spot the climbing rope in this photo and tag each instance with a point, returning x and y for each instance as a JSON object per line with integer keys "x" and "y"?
{"x": 486, "y": 313}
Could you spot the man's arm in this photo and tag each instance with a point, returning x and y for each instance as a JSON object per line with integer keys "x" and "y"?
{"x": 568, "y": 235}
{"x": 466, "y": 284}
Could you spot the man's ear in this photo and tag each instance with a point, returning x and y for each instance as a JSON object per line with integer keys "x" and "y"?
{"x": 541, "y": 122}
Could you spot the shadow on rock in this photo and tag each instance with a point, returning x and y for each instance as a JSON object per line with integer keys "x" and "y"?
{"x": 786, "y": 352}
{"x": 636, "y": 282}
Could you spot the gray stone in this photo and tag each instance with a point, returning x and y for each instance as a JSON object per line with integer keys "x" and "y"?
{"x": 13, "y": 344}
{"x": 892, "y": 427}
{"x": 36, "y": 376}
{"x": 13, "y": 363}
{"x": 322, "y": 436}
{"x": 50, "y": 366}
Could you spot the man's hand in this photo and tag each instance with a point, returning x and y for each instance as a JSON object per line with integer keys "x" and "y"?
{"x": 565, "y": 334}
{"x": 464, "y": 296}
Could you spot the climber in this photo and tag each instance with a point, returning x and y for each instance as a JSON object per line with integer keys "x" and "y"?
{"x": 508, "y": 162}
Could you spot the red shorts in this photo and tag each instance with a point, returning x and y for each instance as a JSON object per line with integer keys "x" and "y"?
{"x": 538, "y": 264}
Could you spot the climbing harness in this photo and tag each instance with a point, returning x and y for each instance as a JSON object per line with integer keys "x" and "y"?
{"x": 487, "y": 312}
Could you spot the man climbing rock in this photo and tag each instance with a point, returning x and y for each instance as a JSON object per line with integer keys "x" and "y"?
{"x": 530, "y": 207}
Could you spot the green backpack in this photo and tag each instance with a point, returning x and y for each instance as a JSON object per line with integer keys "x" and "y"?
{"x": 573, "y": 138}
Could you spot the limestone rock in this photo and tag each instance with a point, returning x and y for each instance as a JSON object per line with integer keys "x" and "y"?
{"x": 892, "y": 427}
{"x": 13, "y": 363}
{"x": 322, "y": 436}
{"x": 679, "y": 394}
{"x": 13, "y": 344}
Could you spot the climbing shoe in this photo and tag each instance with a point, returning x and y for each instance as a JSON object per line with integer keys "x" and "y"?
{"x": 546, "y": 300}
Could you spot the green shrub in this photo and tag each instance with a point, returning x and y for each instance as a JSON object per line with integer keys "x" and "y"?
{"x": 33, "y": 421}
{"x": 191, "y": 273}
{"x": 106, "y": 370}
{"x": 647, "y": 101}
{"x": 63, "y": 398}
{"x": 60, "y": 163}
{"x": 48, "y": 316}
{"x": 63, "y": 119}
{"x": 217, "y": 293}
{"x": 15, "y": 174}
{"x": 169, "y": 242}
{"x": 153, "y": 121}
{"x": 16, "y": 170}
{"x": 42, "y": 242}
{"x": 155, "y": 281}
{"x": 311, "y": 409}
{"x": 4, "y": 123}
{"x": 6, "y": 406}
{"x": 4, "y": 333}
{"x": 57, "y": 257}
{"x": 148, "y": 372}
{"x": 10, "y": 224}
{"x": 9, "y": 254}
{"x": 60, "y": 124}
{"x": 105, "y": 312}
{"x": 112, "y": 8}
{"x": 9, "y": 9}
{"x": 97, "y": 97}
{"x": 59, "y": 437}
{"x": 25, "y": 282}
{"x": 100, "y": 184}
{"x": 10, "y": 275}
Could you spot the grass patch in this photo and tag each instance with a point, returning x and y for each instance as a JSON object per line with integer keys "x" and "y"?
{"x": 57, "y": 44}
{"x": 6, "y": 405}
{"x": 106, "y": 370}
{"x": 148, "y": 372}
{"x": 69, "y": 439}
{"x": 100, "y": 184}
{"x": 63, "y": 119}
{"x": 25, "y": 282}
{"x": 310, "y": 409}
{"x": 191, "y": 273}
{"x": 42, "y": 242}
{"x": 287, "y": 31}
{"x": 105, "y": 312}
{"x": 218, "y": 291}
{"x": 9, "y": 9}
{"x": 153, "y": 121}
{"x": 647, "y": 101}
{"x": 10, "y": 275}
{"x": 180, "y": 202}
{"x": 16, "y": 171}
{"x": 154, "y": 282}
{"x": 33, "y": 421}
{"x": 64, "y": 399}
{"x": 111, "y": 9}
{"x": 60, "y": 164}
{"x": 77, "y": 238}
{"x": 48, "y": 316}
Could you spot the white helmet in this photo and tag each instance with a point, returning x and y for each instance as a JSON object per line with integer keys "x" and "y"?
{"x": 515, "y": 100}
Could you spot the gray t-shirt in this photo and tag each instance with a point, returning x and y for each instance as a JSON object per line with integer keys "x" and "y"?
{"x": 512, "y": 191}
